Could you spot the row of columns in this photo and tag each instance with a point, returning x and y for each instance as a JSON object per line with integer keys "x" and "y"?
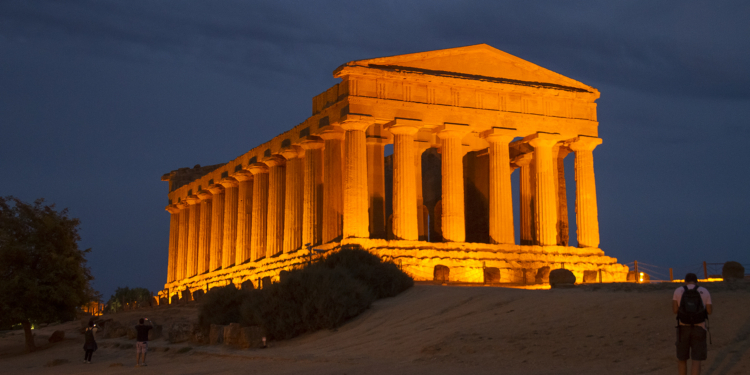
{"x": 332, "y": 187}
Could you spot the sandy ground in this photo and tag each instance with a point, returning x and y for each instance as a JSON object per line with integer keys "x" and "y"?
{"x": 438, "y": 330}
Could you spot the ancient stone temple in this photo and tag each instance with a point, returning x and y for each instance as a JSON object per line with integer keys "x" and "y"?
{"x": 461, "y": 121}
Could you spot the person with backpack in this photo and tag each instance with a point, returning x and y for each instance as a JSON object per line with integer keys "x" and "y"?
{"x": 692, "y": 304}
{"x": 89, "y": 345}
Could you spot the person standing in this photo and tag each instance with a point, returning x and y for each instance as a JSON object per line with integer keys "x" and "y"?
{"x": 89, "y": 345}
{"x": 692, "y": 305}
{"x": 141, "y": 347}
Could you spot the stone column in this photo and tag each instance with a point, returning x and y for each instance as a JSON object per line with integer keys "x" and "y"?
{"x": 419, "y": 148}
{"x": 527, "y": 191}
{"x": 217, "y": 227}
{"x": 229, "y": 244}
{"x": 500, "y": 195}
{"x": 587, "y": 215}
{"x": 260, "y": 210}
{"x": 333, "y": 201}
{"x": 182, "y": 243}
{"x": 453, "y": 218}
{"x": 312, "y": 205}
{"x": 275, "y": 229}
{"x": 295, "y": 188}
{"x": 204, "y": 234}
{"x": 559, "y": 152}
{"x": 244, "y": 215}
{"x": 405, "y": 222}
{"x": 376, "y": 185}
{"x": 193, "y": 231}
{"x": 546, "y": 202}
{"x": 355, "y": 217}
{"x": 174, "y": 237}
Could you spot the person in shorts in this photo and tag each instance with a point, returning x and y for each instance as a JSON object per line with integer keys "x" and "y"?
{"x": 691, "y": 341}
{"x": 141, "y": 347}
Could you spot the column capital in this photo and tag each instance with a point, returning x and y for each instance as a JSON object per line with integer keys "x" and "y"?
{"x": 356, "y": 122}
{"x": 257, "y": 168}
{"x": 181, "y": 205}
{"x": 403, "y": 126}
{"x": 193, "y": 199}
{"x": 172, "y": 209}
{"x": 523, "y": 160}
{"x": 376, "y": 140}
{"x": 215, "y": 189}
{"x": 228, "y": 182}
{"x": 451, "y": 130}
{"x": 332, "y": 132}
{"x": 274, "y": 161}
{"x": 292, "y": 152}
{"x": 312, "y": 143}
{"x": 583, "y": 143}
{"x": 204, "y": 195}
{"x": 543, "y": 139}
{"x": 496, "y": 134}
{"x": 242, "y": 175}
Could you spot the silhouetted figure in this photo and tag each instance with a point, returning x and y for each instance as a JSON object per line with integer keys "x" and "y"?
{"x": 692, "y": 304}
{"x": 90, "y": 345}
{"x": 141, "y": 347}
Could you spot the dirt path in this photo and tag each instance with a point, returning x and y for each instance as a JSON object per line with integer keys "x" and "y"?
{"x": 439, "y": 329}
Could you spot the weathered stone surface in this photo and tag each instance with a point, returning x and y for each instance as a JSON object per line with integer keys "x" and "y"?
{"x": 732, "y": 271}
{"x": 180, "y": 332}
{"x": 590, "y": 276}
{"x": 232, "y": 334}
{"x": 163, "y": 301}
{"x": 252, "y": 337}
{"x": 57, "y": 336}
{"x": 132, "y": 333}
{"x": 156, "y": 332}
{"x": 216, "y": 334}
{"x": 441, "y": 274}
{"x": 491, "y": 275}
{"x": 542, "y": 275}
{"x": 561, "y": 277}
{"x": 199, "y": 335}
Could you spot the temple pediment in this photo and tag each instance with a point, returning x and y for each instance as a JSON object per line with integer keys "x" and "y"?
{"x": 479, "y": 62}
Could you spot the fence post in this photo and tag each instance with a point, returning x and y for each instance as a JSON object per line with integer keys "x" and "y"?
{"x": 671, "y": 275}
{"x": 637, "y": 275}
{"x": 705, "y": 270}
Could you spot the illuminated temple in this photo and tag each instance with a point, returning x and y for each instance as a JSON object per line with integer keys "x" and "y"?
{"x": 461, "y": 121}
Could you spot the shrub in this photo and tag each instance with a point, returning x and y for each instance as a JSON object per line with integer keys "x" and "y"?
{"x": 323, "y": 295}
{"x": 222, "y": 305}
{"x": 733, "y": 271}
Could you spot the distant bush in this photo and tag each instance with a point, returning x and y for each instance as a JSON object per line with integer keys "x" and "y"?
{"x": 323, "y": 295}
{"x": 733, "y": 271}
{"x": 125, "y": 296}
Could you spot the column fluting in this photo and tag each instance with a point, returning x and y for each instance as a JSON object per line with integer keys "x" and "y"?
{"x": 376, "y": 186}
{"x": 587, "y": 212}
{"x": 275, "y": 229}
{"x": 453, "y": 217}
{"x": 559, "y": 152}
{"x": 312, "y": 205}
{"x": 244, "y": 215}
{"x": 204, "y": 233}
{"x": 545, "y": 204}
{"x": 181, "y": 263}
{"x": 217, "y": 227}
{"x": 355, "y": 205}
{"x": 500, "y": 195}
{"x": 174, "y": 237}
{"x": 333, "y": 201}
{"x": 293, "y": 200}
{"x": 229, "y": 245}
{"x": 260, "y": 210}
{"x": 405, "y": 221}
{"x": 193, "y": 231}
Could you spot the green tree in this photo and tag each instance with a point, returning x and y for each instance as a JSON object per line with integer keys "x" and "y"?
{"x": 43, "y": 274}
{"x": 124, "y": 296}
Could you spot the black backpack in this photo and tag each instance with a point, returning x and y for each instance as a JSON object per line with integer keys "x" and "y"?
{"x": 691, "y": 311}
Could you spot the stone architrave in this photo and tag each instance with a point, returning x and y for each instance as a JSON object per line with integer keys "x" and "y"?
{"x": 405, "y": 221}
{"x": 229, "y": 245}
{"x": 546, "y": 201}
{"x": 260, "y": 210}
{"x": 587, "y": 213}
{"x": 500, "y": 195}
{"x": 204, "y": 233}
{"x": 217, "y": 227}
{"x": 527, "y": 191}
{"x": 355, "y": 204}
{"x": 333, "y": 201}
{"x": 293, "y": 200}
{"x": 181, "y": 263}
{"x": 174, "y": 237}
{"x": 559, "y": 152}
{"x": 312, "y": 204}
{"x": 453, "y": 220}
{"x": 244, "y": 215}
{"x": 376, "y": 185}
{"x": 275, "y": 230}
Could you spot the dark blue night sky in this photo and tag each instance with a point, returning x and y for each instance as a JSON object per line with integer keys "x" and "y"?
{"x": 98, "y": 99}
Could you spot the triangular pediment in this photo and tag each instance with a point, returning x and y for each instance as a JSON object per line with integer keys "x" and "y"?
{"x": 479, "y": 60}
